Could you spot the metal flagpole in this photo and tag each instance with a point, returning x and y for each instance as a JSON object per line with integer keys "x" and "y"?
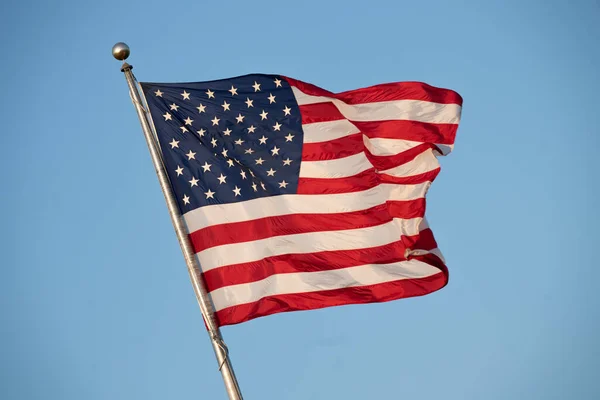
{"x": 121, "y": 51}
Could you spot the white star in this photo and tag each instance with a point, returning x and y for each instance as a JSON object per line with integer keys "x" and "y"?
{"x": 271, "y": 98}
{"x": 240, "y": 118}
{"x": 179, "y": 170}
{"x": 201, "y": 132}
{"x": 262, "y": 185}
{"x": 209, "y": 194}
{"x": 158, "y": 93}
{"x": 287, "y": 161}
{"x": 287, "y": 110}
{"x": 193, "y": 182}
{"x": 227, "y": 132}
{"x": 167, "y": 116}
{"x": 215, "y": 121}
{"x": 249, "y": 151}
{"x": 230, "y": 162}
{"x": 224, "y": 152}
{"x": 263, "y": 140}
{"x": 188, "y": 121}
{"x": 251, "y": 129}
{"x": 186, "y": 95}
{"x": 249, "y": 102}
{"x": 283, "y": 184}
{"x": 186, "y": 199}
{"x": 271, "y": 172}
{"x": 259, "y": 161}
{"x": 237, "y": 191}
{"x": 239, "y": 142}
{"x": 174, "y": 107}
{"x": 214, "y": 142}
{"x": 254, "y": 186}
{"x": 183, "y": 129}
{"x": 277, "y": 83}
{"x": 191, "y": 155}
{"x": 222, "y": 179}
{"x": 206, "y": 166}
{"x": 174, "y": 143}
{"x": 225, "y": 106}
{"x": 277, "y": 126}
{"x": 275, "y": 150}
{"x": 289, "y": 137}
{"x": 233, "y": 90}
{"x": 201, "y": 108}
{"x": 263, "y": 115}
{"x": 243, "y": 174}
{"x": 256, "y": 86}
{"x": 211, "y": 94}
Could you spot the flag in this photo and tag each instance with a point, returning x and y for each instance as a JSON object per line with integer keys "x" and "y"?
{"x": 297, "y": 198}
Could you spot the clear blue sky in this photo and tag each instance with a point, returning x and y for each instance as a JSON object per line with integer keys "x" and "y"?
{"x": 95, "y": 302}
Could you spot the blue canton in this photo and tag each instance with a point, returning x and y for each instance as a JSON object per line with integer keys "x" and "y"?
{"x": 229, "y": 140}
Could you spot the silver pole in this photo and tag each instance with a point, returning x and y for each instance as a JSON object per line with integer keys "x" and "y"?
{"x": 121, "y": 52}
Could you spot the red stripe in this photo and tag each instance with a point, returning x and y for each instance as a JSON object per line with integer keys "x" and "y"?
{"x": 384, "y": 92}
{"x": 383, "y": 163}
{"x": 424, "y": 241}
{"x": 409, "y": 130}
{"x": 320, "y": 112}
{"x": 395, "y": 129}
{"x": 410, "y": 180}
{"x": 328, "y": 298}
{"x": 362, "y": 181}
{"x": 407, "y": 208}
{"x": 333, "y": 149}
{"x": 291, "y": 224}
{"x": 354, "y": 144}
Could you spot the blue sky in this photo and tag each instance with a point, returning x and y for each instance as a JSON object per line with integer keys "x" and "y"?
{"x": 95, "y": 302}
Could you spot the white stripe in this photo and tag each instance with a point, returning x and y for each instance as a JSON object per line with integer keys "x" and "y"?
{"x": 338, "y": 168}
{"x": 303, "y": 98}
{"x": 303, "y": 282}
{"x": 413, "y": 110}
{"x": 310, "y": 242}
{"x": 301, "y": 204}
{"x": 388, "y": 147}
{"x": 326, "y": 131}
{"x": 422, "y": 163}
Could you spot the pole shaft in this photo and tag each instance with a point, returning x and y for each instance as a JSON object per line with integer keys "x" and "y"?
{"x": 231, "y": 384}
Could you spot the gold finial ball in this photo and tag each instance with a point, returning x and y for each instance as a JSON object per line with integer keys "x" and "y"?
{"x": 120, "y": 51}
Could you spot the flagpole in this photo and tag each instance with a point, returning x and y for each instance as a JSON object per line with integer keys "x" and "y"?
{"x": 121, "y": 51}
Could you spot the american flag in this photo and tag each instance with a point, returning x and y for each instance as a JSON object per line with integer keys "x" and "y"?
{"x": 297, "y": 198}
